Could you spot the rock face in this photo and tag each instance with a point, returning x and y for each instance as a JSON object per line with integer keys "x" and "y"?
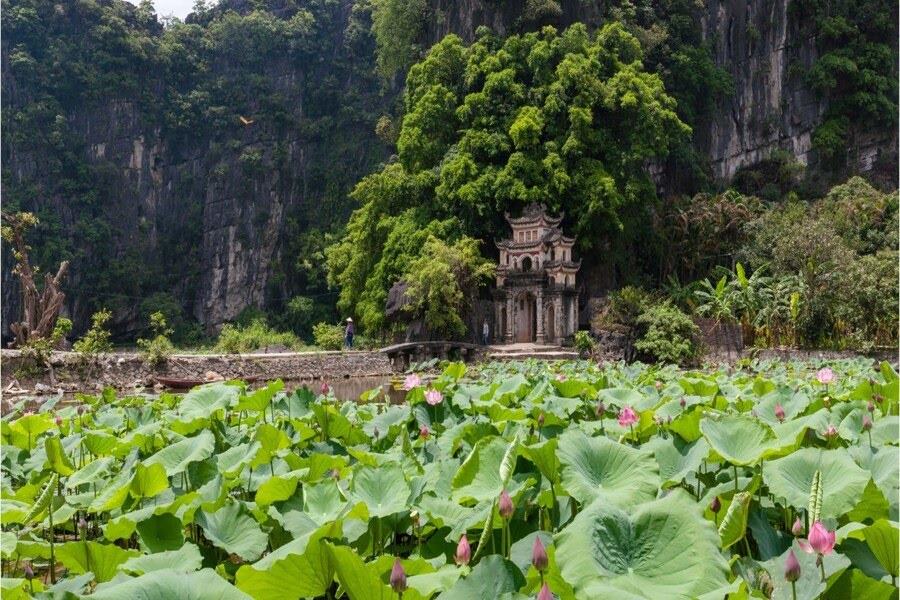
{"x": 214, "y": 210}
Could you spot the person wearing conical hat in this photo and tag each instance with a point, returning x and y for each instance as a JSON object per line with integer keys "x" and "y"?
{"x": 348, "y": 333}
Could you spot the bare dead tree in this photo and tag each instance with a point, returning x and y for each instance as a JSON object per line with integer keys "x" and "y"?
{"x": 40, "y": 307}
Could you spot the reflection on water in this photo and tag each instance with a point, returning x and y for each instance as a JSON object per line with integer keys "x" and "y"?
{"x": 350, "y": 388}
{"x": 344, "y": 389}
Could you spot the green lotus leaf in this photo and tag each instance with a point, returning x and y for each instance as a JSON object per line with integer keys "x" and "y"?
{"x": 277, "y": 488}
{"x": 92, "y": 472}
{"x": 853, "y": 583}
{"x": 161, "y": 532}
{"x": 883, "y": 539}
{"x": 8, "y": 542}
{"x": 203, "y": 401}
{"x": 842, "y": 480}
{"x": 113, "y": 494}
{"x": 261, "y": 399}
{"x": 185, "y": 559}
{"x": 733, "y": 527}
{"x": 15, "y": 588}
{"x": 359, "y": 579}
{"x": 739, "y": 439}
{"x": 56, "y": 456}
{"x": 167, "y": 584}
{"x": 478, "y": 478}
{"x": 176, "y": 457}
{"x": 100, "y": 443}
{"x": 492, "y": 577}
{"x": 299, "y": 569}
{"x": 621, "y": 397}
{"x": 102, "y": 560}
{"x": 543, "y": 455}
{"x": 148, "y": 481}
{"x": 233, "y": 529}
{"x": 884, "y": 465}
{"x": 677, "y": 459}
{"x": 599, "y": 466}
{"x": 232, "y": 461}
{"x": 659, "y": 549}
{"x": 383, "y": 490}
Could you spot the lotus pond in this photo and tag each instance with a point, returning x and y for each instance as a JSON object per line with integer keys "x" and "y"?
{"x": 513, "y": 480}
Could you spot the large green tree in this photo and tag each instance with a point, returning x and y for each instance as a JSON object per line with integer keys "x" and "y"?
{"x": 568, "y": 119}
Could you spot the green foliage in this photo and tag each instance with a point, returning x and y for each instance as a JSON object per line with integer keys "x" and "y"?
{"x": 397, "y": 25}
{"x": 442, "y": 283}
{"x": 623, "y": 308}
{"x": 856, "y": 68}
{"x": 327, "y": 336}
{"x": 667, "y": 335}
{"x": 158, "y": 348}
{"x": 237, "y": 339}
{"x": 96, "y": 340}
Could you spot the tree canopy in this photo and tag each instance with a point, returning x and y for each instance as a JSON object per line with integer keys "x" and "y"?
{"x": 569, "y": 119}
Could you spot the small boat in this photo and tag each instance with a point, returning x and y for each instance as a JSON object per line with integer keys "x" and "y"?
{"x": 186, "y": 383}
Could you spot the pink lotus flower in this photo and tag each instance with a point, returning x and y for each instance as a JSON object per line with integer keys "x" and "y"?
{"x": 324, "y": 389}
{"x": 560, "y": 377}
{"x": 797, "y": 528}
{"x": 545, "y": 594}
{"x": 539, "y": 555}
{"x": 831, "y": 431}
{"x": 463, "y": 551}
{"x": 682, "y": 403}
{"x": 866, "y": 423}
{"x": 791, "y": 567}
{"x": 398, "y": 577}
{"x": 820, "y": 541}
{"x": 505, "y": 505}
{"x": 433, "y": 397}
{"x": 627, "y": 417}
{"x": 779, "y": 413}
{"x": 658, "y": 385}
{"x": 825, "y": 375}
{"x": 412, "y": 381}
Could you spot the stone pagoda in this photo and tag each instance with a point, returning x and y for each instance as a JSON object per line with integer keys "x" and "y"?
{"x": 535, "y": 300}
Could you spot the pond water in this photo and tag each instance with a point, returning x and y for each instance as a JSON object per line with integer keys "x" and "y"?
{"x": 344, "y": 389}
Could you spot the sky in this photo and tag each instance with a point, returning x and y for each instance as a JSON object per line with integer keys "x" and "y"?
{"x": 179, "y": 8}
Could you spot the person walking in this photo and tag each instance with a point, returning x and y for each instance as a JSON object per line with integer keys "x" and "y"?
{"x": 485, "y": 332}
{"x": 348, "y": 333}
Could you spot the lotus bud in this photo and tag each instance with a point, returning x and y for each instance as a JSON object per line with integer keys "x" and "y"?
{"x": 463, "y": 551}
{"x": 601, "y": 409}
{"x": 797, "y": 528}
{"x": 716, "y": 505}
{"x": 831, "y": 431}
{"x": 82, "y": 524}
{"x": 779, "y": 413}
{"x": 59, "y": 421}
{"x": 539, "y": 555}
{"x": 540, "y": 420}
{"x": 870, "y": 406}
{"x": 545, "y": 594}
{"x": 878, "y": 398}
{"x": 324, "y": 389}
{"x": 335, "y": 474}
{"x": 398, "y": 577}
{"x": 29, "y": 571}
{"x": 560, "y": 377}
{"x": 505, "y": 505}
{"x": 821, "y": 541}
{"x": 866, "y": 423}
{"x": 682, "y": 403}
{"x": 424, "y": 432}
{"x": 791, "y": 567}
{"x": 658, "y": 385}
{"x": 81, "y": 409}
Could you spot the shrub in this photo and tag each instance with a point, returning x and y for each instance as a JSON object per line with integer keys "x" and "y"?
{"x": 96, "y": 340}
{"x": 235, "y": 339}
{"x": 328, "y": 336}
{"x": 667, "y": 335}
{"x": 583, "y": 341}
{"x": 623, "y": 309}
{"x": 36, "y": 351}
{"x": 158, "y": 349}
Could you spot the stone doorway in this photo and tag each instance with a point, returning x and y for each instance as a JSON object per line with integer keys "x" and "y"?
{"x": 550, "y": 324}
{"x": 526, "y": 318}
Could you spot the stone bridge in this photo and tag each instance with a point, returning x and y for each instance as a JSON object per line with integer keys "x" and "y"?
{"x": 402, "y": 355}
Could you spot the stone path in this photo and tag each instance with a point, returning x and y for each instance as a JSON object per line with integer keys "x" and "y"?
{"x": 521, "y": 351}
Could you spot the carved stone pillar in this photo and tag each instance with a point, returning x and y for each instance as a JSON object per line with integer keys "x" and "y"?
{"x": 510, "y": 318}
{"x": 539, "y": 306}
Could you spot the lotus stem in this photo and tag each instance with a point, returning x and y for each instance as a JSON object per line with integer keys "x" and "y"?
{"x": 822, "y": 567}
{"x": 794, "y": 590}
{"x": 735, "y": 479}
{"x": 52, "y": 552}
